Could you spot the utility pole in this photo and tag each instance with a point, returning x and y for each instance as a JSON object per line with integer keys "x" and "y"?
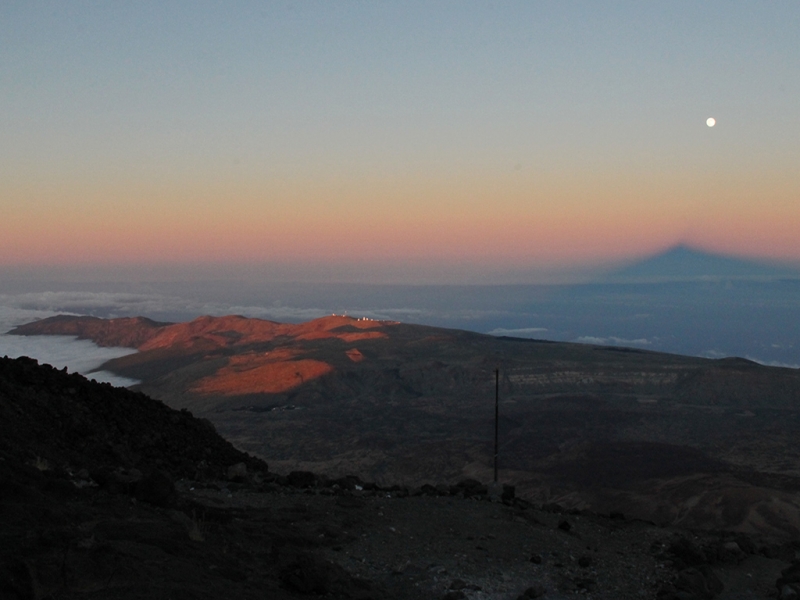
{"x": 496, "y": 416}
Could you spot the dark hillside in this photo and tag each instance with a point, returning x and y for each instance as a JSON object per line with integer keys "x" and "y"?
{"x": 106, "y": 493}
{"x": 93, "y": 503}
{"x": 70, "y": 424}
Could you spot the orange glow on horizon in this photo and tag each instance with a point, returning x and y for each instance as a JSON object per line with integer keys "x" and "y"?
{"x": 487, "y": 221}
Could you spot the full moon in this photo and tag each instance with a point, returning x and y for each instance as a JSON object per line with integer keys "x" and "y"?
{"x": 711, "y": 121}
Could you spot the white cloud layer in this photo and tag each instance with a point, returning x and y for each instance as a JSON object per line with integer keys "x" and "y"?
{"x": 612, "y": 341}
{"x": 116, "y": 304}
{"x": 84, "y": 357}
{"x": 521, "y": 332}
{"x": 81, "y": 356}
{"x": 111, "y": 304}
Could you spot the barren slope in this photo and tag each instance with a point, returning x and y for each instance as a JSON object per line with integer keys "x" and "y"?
{"x": 669, "y": 438}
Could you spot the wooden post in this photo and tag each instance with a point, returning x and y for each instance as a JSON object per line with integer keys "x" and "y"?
{"x": 496, "y": 416}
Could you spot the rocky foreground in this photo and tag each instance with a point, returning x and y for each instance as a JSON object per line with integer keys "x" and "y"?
{"x": 106, "y": 493}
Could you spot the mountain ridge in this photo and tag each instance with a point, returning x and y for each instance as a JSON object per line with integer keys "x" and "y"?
{"x": 145, "y": 334}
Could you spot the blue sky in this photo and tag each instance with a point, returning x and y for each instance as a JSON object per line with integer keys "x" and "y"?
{"x": 174, "y": 132}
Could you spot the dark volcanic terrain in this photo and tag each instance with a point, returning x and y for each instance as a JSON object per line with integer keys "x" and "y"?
{"x": 672, "y": 439}
{"x": 106, "y": 493}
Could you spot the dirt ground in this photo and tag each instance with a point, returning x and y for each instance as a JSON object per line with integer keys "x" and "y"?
{"x": 432, "y": 546}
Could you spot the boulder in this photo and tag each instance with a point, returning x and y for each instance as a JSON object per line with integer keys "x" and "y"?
{"x": 469, "y": 488}
{"x": 508, "y": 494}
{"x": 428, "y": 490}
{"x": 687, "y": 553}
{"x": 308, "y": 574}
{"x": 301, "y": 479}
{"x": 789, "y": 581}
{"x": 535, "y": 591}
{"x": 237, "y": 472}
{"x": 788, "y": 593}
{"x": 702, "y": 582}
{"x": 156, "y": 488}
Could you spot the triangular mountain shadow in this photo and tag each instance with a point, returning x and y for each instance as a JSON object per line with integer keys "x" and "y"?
{"x": 681, "y": 263}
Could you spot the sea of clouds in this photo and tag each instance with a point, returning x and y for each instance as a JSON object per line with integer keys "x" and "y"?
{"x": 78, "y": 356}
{"x": 85, "y": 357}
{"x": 501, "y": 311}
{"x": 178, "y": 308}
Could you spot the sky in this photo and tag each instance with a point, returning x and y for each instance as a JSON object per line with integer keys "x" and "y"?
{"x": 394, "y": 142}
